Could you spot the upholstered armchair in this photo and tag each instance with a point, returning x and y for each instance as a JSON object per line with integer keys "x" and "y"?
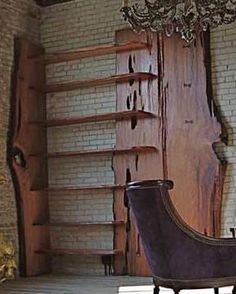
{"x": 178, "y": 256}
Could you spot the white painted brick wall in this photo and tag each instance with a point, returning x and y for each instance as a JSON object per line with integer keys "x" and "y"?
{"x": 86, "y": 68}
{"x": 82, "y": 137}
{"x": 79, "y": 24}
{"x": 81, "y": 238}
{"x": 67, "y": 26}
{"x": 82, "y": 23}
{"x": 81, "y": 102}
{"x": 223, "y": 43}
{"x": 16, "y": 19}
{"x": 81, "y": 170}
{"x": 81, "y": 206}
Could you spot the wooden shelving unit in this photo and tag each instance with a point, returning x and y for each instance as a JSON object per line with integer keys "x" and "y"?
{"x": 107, "y": 255}
{"x": 81, "y": 224}
{"x": 98, "y": 252}
{"x": 80, "y": 188}
{"x": 123, "y": 115}
{"x": 123, "y": 78}
{"x": 65, "y": 56}
{"x": 113, "y": 151}
{"x": 70, "y": 55}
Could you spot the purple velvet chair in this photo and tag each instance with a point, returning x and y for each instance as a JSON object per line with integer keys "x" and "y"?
{"x": 178, "y": 256}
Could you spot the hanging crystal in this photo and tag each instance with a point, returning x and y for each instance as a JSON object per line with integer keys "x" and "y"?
{"x": 180, "y": 16}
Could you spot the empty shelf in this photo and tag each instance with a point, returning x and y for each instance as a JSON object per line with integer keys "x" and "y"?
{"x": 63, "y": 56}
{"x": 80, "y": 188}
{"x": 74, "y": 85}
{"x": 114, "y": 151}
{"x": 98, "y": 252}
{"x": 123, "y": 115}
{"x": 79, "y": 224}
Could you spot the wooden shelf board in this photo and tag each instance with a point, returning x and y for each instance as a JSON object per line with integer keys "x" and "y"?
{"x": 64, "y": 56}
{"x": 99, "y": 252}
{"x": 79, "y": 224}
{"x": 74, "y": 85}
{"x": 80, "y": 188}
{"x": 113, "y": 151}
{"x": 123, "y": 115}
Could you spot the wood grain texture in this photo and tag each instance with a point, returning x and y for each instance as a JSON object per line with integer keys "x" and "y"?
{"x": 79, "y": 188}
{"x": 28, "y": 172}
{"x": 122, "y": 115}
{"x": 191, "y": 130}
{"x": 98, "y": 50}
{"x": 122, "y": 78}
{"x": 79, "y": 224}
{"x": 113, "y": 151}
{"x": 79, "y": 252}
{"x": 137, "y": 95}
{"x": 185, "y": 131}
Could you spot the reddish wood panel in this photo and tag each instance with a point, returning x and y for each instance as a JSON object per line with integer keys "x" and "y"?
{"x": 185, "y": 130}
{"x": 102, "y": 252}
{"x": 78, "y": 224}
{"x": 122, "y": 78}
{"x": 136, "y": 95}
{"x": 78, "y": 188}
{"x": 191, "y": 130}
{"x": 98, "y": 117}
{"x": 62, "y": 56}
{"x": 29, "y": 172}
{"x": 114, "y": 151}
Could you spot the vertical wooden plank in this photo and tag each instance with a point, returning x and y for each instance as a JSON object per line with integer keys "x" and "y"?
{"x": 28, "y": 103}
{"x": 141, "y": 95}
{"x": 191, "y": 131}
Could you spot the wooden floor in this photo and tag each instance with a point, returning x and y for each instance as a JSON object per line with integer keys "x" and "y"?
{"x": 89, "y": 285}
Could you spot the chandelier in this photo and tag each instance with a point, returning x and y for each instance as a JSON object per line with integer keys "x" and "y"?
{"x": 184, "y": 17}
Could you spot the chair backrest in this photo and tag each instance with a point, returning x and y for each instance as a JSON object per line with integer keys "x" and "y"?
{"x": 150, "y": 214}
{"x": 173, "y": 249}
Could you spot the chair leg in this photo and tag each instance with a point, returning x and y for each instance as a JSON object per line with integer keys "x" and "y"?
{"x": 234, "y": 290}
{"x": 176, "y": 291}
{"x": 216, "y": 290}
{"x": 156, "y": 290}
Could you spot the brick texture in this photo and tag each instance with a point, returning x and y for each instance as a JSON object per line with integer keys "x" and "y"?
{"x": 67, "y": 26}
{"x": 17, "y": 18}
{"x": 82, "y": 23}
{"x": 223, "y": 43}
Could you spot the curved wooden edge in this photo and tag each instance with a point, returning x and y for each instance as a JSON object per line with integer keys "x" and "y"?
{"x": 12, "y": 125}
{"x": 26, "y": 172}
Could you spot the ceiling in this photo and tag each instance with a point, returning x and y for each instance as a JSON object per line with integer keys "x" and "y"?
{"x": 50, "y": 2}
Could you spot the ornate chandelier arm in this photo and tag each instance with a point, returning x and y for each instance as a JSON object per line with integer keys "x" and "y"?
{"x": 154, "y": 16}
{"x": 216, "y": 12}
{"x": 182, "y": 16}
{"x": 137, "y": 23}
